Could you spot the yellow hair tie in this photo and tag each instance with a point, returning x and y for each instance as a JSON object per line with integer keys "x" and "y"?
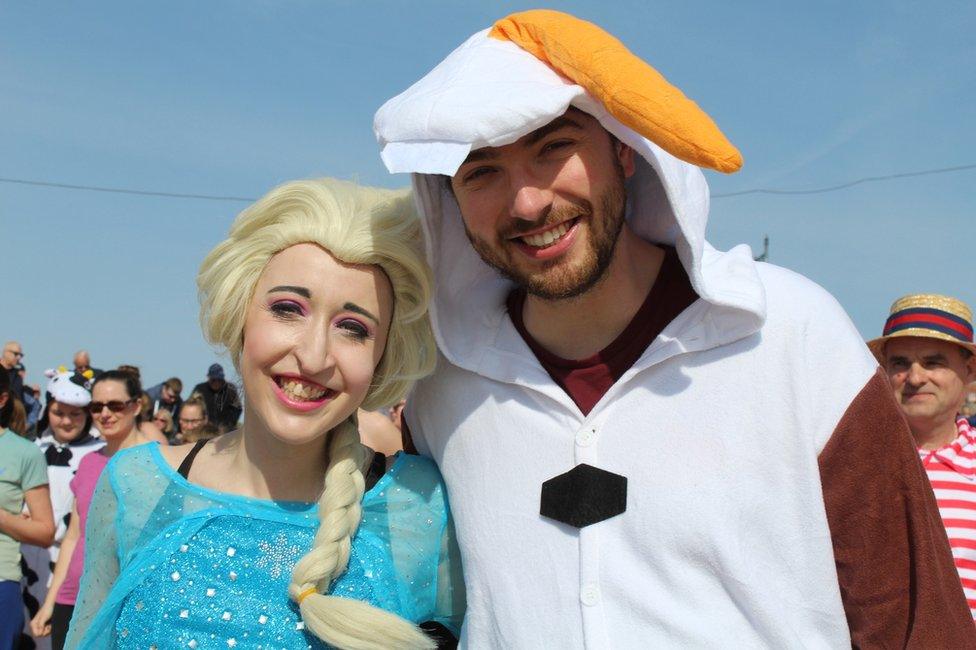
{"x": 305, "y": 594}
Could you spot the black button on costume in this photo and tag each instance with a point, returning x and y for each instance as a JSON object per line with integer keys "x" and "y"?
{"x": 584, "y": 495}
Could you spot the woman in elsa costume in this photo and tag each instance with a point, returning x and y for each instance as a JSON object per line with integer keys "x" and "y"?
{"x": 319, "y": 295}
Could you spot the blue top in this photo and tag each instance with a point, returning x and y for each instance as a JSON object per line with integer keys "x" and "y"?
{"x": 171, "y": 564}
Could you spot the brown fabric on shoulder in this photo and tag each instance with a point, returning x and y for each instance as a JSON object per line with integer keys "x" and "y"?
{"x": 897, "y": 579}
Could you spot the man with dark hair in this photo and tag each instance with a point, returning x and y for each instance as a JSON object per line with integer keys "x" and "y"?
{"x": 648, "y": 442}
{"x": 220, "y": 397}
{"x": 167, "y": 395}
{"x": 927, "y": 350}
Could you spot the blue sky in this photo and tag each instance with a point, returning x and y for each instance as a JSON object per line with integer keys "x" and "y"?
{"x": 232, "y": 97}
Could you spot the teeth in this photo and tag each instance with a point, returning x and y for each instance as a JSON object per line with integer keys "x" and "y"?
{"x": 300, "y": 391}
{"x": 543, "y": 239}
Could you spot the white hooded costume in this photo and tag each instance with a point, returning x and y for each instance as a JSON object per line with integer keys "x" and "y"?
{"x": 718, "y": 427}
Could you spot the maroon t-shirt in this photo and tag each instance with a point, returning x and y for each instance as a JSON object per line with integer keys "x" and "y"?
{"x": 587, "y": 380}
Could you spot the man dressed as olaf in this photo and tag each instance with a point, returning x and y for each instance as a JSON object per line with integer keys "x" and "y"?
{"x": 647, "y": 442}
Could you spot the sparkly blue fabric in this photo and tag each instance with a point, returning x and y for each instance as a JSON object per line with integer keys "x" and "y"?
{"x": 174, "y": 565}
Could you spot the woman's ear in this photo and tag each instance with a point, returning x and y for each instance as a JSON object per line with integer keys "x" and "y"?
{"x": 3, "y": 399}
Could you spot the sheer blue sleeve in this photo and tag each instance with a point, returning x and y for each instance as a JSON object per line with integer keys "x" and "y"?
{"x": 101, "y": 567}
{"x": 450, "y": 598}
{"x": 408, "y": 508}
{"x": 127, "y": 513}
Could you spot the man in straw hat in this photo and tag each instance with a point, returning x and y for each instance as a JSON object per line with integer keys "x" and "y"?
{"x": 584, "y": 324}
{"x": 928, "y": 352}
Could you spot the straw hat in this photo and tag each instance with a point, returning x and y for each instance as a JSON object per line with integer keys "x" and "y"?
{"x": 930, "y": 316}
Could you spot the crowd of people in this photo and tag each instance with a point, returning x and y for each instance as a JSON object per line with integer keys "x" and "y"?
{"x": 505, "y": 371}
{"x": 213, "y": 405}
{"x": 66, "y": 426}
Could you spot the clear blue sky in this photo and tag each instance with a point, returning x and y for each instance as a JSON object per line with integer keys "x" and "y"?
{"x": 232, "y": 97}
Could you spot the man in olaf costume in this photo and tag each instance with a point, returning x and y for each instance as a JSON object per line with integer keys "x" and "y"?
{"x": 647, "y": 442}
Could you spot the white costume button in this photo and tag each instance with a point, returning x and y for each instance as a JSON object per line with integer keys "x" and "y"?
{"x": 590, "y": 595}
{"x": 586, "y": 437}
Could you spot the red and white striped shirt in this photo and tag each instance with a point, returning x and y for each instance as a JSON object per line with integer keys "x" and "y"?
{"x": 952, "y": 473}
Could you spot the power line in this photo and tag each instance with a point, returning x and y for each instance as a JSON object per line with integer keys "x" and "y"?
{"x": 842, "y": 186}
{"x": 119, "y": 190}
{"x": 246, "y": 199}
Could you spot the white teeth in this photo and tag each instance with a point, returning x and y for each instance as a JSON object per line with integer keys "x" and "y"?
{"x": 300, "y": 391}
{"x": 543, "y": 239}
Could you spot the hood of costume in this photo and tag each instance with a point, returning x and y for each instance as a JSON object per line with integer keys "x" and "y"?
{"x": 490, "y": 92}
{"x": 69, "y": 387}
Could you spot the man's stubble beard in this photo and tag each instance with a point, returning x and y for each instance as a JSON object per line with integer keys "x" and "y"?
{"x": 551, "y": 283}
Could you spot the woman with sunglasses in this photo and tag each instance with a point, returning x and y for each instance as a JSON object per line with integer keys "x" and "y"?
{"x": 288, "y": 532}
{"x": 114, "y": 406}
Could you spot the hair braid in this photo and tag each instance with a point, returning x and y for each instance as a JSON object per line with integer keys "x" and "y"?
{"x": 344, "y": 622}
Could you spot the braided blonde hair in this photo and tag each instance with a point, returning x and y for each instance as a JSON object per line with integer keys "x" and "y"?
{"x": 357, "y": 225}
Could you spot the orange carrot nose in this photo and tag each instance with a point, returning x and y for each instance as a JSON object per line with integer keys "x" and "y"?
{"x": 631, "y": 90}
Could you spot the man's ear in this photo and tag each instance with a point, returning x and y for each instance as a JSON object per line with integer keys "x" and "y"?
{"x": 625, "y": 156}
{"x": 971, "y": 368}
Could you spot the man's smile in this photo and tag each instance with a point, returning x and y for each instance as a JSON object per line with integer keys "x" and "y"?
{"x": 547, "y": 236}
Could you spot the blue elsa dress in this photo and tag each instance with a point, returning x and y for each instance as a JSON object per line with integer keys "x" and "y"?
{"x": 170, "y": 564}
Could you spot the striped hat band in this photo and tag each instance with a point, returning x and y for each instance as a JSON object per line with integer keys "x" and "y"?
{"x": 931, "y": 319}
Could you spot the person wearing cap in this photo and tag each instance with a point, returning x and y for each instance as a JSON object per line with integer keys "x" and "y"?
{"x": 927, "y": 349}
{"x": 223, "y": 404}
{"x": 584, "y": 323}
{"x": 65, "y": 439}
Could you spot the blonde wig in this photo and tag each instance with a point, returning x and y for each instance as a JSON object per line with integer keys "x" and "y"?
{"x": 357, "y": 225}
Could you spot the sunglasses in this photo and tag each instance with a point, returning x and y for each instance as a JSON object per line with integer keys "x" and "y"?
{"x": 115, "y": 406}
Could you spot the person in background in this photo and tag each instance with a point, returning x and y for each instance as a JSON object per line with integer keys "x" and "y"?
{"x": 205, "y": 431}
{"x": 193, "y": 415}
{"x": 145, "y": 421}
{"x": 34, "y": 408}
{"x": 18, "y": 418}
{"x": 65, "y": 440}
{"x": 927, "y": 349}
{"x": 164, "y": 420}
{"x": 12, "y": 357}
{"x": 82, "y": 361}
{"x": 23, "y": 482}
{"x": 223, "y": 404}
{"x": 167, "y": 395}
{"x": 31, "y": 404}
{"x": 114, "y": 407}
